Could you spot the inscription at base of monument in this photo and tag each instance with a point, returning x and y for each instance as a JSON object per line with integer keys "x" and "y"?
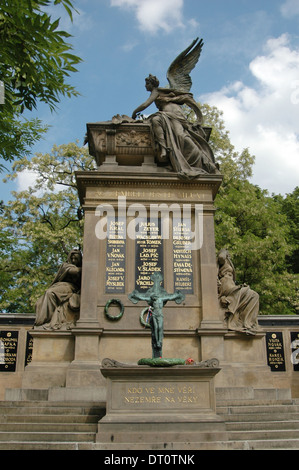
{"x": 275, "y": 351}
{"x": 161, "y": 395}
{"x": 8, "y": 350}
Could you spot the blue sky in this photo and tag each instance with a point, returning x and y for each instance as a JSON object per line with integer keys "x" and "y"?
{"x": 249, "y": 69}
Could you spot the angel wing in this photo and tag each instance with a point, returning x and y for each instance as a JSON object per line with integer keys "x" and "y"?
{"x": 178, "y": 74}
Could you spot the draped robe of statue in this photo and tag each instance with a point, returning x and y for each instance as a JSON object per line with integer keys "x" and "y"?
{"x": 179, "y": 142}
{"x": 188, "y": 150}
{"x": 64, "y": 292}
{"x": 241, "y": 303}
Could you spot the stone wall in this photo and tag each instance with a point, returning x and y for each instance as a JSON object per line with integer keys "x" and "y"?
{"x": 240, "y": 353}
{"x": 15, "y": 349}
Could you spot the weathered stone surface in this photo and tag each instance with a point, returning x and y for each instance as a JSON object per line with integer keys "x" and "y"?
{"x": 166, "y": 403}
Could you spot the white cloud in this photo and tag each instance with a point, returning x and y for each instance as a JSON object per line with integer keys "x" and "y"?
{"x": 290, "y": 8}
{"x": 25, "y": 179}
{"x": 153, "y": 15}
{"x": 264, "y": 117}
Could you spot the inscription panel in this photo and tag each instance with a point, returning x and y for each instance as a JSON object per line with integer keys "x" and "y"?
{"x": 29, "y": 349}
{"x": 275, "y": 351}
{"x": 8, "y": 350}
{"x": 161, "y": 396}
{"x": 116, "y": 256}
{"x": 147, "y": 194}
{"x": 149, "y": 253}
{"x": 182, "y": 257}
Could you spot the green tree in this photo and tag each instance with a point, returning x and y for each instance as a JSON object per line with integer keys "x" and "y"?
{"x": 35, "y": 63}
{"x": 260, "y": 231}
{"x": 290, "y": 207}
{"x": 40, "y": 225}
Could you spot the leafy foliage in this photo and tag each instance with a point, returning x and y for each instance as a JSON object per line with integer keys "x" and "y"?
{"x": 40, "y": 225}
{"x": 260, "y": 231}
{"x": 35, "y": 62}
{"x": 17, "y": 135}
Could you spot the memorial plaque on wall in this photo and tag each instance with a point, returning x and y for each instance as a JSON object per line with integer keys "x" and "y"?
{"x": 8, "y": 350}
{"x": 295, "y": 350}
{"x": 116, "y": 256}
{"x": 29, "y": 349}
{"x": 182, "y": 257}
{"x": 149, "y": 253}
{"x": 275, "y": 351}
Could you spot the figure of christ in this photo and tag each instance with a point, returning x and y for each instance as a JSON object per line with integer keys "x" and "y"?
{"x": 156, "y": 297}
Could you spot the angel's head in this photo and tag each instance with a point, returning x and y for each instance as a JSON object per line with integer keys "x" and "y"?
{"x": 151, "y": 82}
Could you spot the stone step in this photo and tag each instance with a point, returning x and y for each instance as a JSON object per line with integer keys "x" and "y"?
{"x": 142, "y": 438}
{"x": 250, "y": 424}
{"x": 261, "y": 425}
{"x": 248, "y": 393}
{"x": 47, "y": 436}
{"x": 89, "y": 446}
{"x": 48, "y": 427}
{"x": 37, "y": 424}
{"x": 260, "y": 417}
{"x": 21, "y": 445}
{"x": 265, "y": 434}
{"x": 53, "y": 410}
{"x": 247, "y": 409}
{"x": 228, "y": 403}
{"x": 269, "y": 444}
{"x": 56, "y": 404}
{"x": 285, "y": 444}
{"x": 49, "y": 418}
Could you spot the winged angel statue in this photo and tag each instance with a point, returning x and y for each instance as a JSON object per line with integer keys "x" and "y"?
{"x": 179, "y": 141}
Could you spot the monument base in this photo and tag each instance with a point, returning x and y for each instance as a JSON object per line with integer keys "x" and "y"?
{"x": 148, "y": 405}
{"x": 52, "y": 355}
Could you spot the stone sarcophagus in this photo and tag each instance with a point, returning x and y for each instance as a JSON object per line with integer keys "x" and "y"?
{"x": 124, "y": 142}
{"x": 120, "y": 143}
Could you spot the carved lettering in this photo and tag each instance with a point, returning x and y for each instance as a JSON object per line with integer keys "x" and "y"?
{"x": 8, "y": 350}
{"x": 182, "y": 257}
{"x": 162, "y": 394}
{"x": 116, "y": 256}
{"x": 149, "y": 253}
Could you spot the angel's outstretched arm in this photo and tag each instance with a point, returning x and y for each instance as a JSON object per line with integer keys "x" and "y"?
{"x": 146, "y": 104}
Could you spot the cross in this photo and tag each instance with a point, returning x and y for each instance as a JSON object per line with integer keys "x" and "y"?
{"x": 156, "y": 297}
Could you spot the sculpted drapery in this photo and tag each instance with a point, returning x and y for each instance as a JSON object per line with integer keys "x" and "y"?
{"x": 181, "y": 143}
{"x": 52, "y": 308}
{"x": 240, "y": 302}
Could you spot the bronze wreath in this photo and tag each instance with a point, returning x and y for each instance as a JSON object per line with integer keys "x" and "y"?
{"x": 115, "y": 302}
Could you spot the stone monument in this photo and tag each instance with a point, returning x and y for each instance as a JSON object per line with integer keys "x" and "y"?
{"x": 149, "y": 244}
{"x": 157, "y": 393}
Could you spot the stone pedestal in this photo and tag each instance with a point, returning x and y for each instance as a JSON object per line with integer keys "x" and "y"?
{"x": 148, "y": 405}
{"x": 52, "y": 355}
{"x": 114, "y": 268}
{"x": 129, "y": 190}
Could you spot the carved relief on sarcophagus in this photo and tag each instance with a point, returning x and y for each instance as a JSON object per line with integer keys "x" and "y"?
{"x": 127, "y": 143}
